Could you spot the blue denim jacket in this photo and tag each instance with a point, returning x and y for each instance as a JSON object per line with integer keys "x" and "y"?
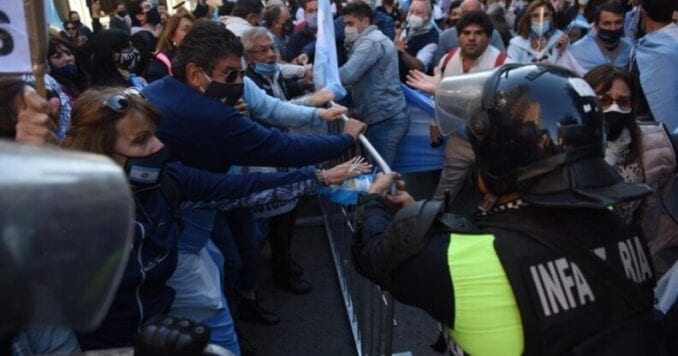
{"x": 371, "y": 72}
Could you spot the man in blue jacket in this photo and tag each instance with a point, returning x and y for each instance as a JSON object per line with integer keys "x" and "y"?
{"x": 203, "y": 130}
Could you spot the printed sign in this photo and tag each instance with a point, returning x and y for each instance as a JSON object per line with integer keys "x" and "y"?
{"x": 15, "y": 53}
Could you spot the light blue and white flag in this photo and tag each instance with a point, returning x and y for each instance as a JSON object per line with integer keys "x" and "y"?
{"x": 325, "y": 66}
{"x": 656, "y": 55}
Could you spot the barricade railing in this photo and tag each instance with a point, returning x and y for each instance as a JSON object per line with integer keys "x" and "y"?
{"x": 370, "y": 311}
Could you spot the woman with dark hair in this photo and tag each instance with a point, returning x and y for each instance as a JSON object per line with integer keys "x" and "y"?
{"x": 65, "y": 68}
{"x": 121, "y": 124}
{"x": 642, "y": 152}
{"x": 174, "y": 32}
{"x": 113, "y": 60}
{"x": 72, "y": 34}
{"x": 537, "y": 37}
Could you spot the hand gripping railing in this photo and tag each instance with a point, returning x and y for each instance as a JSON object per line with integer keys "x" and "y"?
{"x": 371, "y": 323}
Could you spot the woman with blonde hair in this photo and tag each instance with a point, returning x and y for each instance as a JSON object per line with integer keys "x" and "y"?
{"x": 121, "y": 124}
{"x": 174, "y": 32}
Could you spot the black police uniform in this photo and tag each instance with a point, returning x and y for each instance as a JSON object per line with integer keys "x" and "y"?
{"x": 560, "y": 272}
{"x": 568, "y": 304}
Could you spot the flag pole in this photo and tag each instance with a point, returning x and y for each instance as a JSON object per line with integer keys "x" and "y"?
{"x": 37, "y": 32}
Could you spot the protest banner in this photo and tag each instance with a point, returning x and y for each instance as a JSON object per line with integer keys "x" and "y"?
{"x": 15, "y": 53}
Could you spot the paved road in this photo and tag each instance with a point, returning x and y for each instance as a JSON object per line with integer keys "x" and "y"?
{"x": 317, "y": 324}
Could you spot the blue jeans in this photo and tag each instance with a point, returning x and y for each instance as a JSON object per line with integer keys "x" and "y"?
{"x": 386, "y": 135}
{"x": 198, "y": 226}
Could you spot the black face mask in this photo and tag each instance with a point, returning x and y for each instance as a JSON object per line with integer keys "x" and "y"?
{"x": 288, "y": 27}
{"x": 610, "y": 37}
{"x": 616, "y": 122}
{"x": 147, "y": 170}
{"x": 153, "y": 16}
{"x": 227, "y": 93}
{"x": 69, "y": 71}
{"x": 122, "y": 13}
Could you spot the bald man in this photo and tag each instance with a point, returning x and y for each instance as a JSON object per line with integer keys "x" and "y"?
{"x": 417, "y": 43}
{"x": 449, "y": 38}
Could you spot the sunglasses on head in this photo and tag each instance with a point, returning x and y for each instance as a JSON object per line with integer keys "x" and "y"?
{"x": 120, "y": 102}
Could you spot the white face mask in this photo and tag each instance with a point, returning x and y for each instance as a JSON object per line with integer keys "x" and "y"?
{"x": 350, "y": 33}
{"x": 415, "y": 22}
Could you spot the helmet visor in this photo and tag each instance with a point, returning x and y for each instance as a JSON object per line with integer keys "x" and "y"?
{"x": 458, "y": 99}
{"x": 66, "y": 232}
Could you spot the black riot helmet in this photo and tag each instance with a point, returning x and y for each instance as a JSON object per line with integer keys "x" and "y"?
{"x": 540, "y": 132}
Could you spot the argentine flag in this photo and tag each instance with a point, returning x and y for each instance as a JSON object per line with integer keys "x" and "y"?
{"x": 325, "y": 67}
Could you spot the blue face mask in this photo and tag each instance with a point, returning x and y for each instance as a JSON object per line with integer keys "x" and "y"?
{"x": 69, "y": 71}
{"x": 540, "y": 29}
{"x": 266, "y": 69}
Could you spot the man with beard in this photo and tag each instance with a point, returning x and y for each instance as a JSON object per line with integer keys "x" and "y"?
{"x": 474, "y": 55}
{"x": 448, "y": 39}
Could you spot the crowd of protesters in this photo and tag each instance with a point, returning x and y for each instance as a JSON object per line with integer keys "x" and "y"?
{"x": 221, "y": 92}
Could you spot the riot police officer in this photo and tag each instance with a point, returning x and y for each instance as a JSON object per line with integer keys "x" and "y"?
{"x": 543, "y": 267}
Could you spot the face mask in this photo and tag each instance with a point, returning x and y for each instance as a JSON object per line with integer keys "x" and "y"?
{"x": 122, "y": 13}
{"x": 227, "y": 93}
{"x": 288, "y": 27}
{"x": 266, "y": 69}
{"x": 129, "y": 58}
{"x": 312, "y": 21}
{"x": 617, "y": 119}
{"x": 610, "y": 36}
{"x": 583, "y": 2}
{"x": 146, "y": 170}
{"x": 153, "y": 16}
{"x": 350, "y": 33}
{"x": 415, "y": 22}
{"x": 69, "y": 71}
{"x": 540, "y": 29}
{"x": 451, "y": 22}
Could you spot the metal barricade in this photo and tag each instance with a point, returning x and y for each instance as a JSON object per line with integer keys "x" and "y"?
{"x": 370, "y": 311}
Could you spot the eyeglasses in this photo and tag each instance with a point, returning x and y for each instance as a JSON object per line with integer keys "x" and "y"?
{"x": 624, "y": 102}
{"x": 233, "y": 75}
{"x": 120, "y": 102}
{"x": 263, "y": 49}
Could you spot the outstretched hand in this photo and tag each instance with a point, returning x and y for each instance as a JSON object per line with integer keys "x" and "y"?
{"x": 422, "y": 81}
{"x": 347, "y": 170}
